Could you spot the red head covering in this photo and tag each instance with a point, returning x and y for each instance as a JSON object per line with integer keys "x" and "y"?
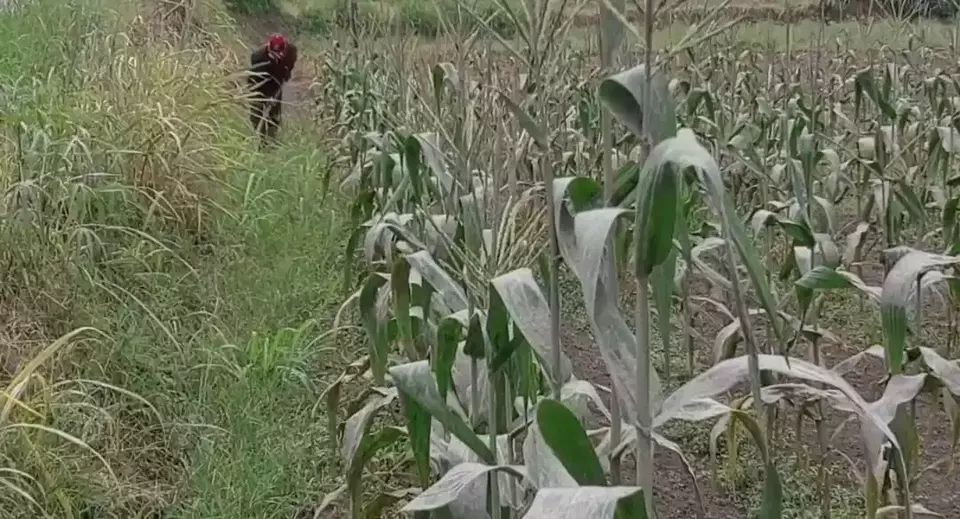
{"x": 277, "y": 43}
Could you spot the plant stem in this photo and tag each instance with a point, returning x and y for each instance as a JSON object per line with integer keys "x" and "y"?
{"x": 753, "y": 359}
{"x": 644, "y": 438}
{"x": 609, "y": 181}
{"x": 494, "y": 388}
{"x": 555, "y": 278}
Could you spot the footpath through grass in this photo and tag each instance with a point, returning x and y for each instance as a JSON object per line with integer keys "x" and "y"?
{"x": 205, "y": 273}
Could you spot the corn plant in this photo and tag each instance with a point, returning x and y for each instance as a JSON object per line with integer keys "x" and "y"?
{"x": 470, "y": 182}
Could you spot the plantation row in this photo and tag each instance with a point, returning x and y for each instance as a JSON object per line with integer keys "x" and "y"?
{"x": 747, "y": 186}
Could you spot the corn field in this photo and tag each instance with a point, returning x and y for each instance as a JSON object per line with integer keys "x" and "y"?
{"x": 560, "y": 253}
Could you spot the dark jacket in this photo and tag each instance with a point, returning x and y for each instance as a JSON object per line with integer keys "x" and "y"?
{"x": 267, "y": 77}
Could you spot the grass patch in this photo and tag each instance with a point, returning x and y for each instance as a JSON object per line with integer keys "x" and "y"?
{"x": 136, "y": 205}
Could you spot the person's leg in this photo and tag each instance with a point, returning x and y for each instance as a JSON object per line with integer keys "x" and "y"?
{"x": 276, "y": 106}
{"x": 256, "y": 116}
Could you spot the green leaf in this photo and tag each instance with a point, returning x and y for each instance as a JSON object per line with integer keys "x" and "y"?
{"x": 544, "y": 469}
{"x": 562, "y": 432}
{"x": 376, "y": 331}
{"x": 911, "y": 202}
{"x": 906, "y": 430}
{"x": 951, "y": 407}
{"x": 522, "y": 299}
{"x": 418, "y": 429}
{"x": 865, "y": 84}
{"x": 771, "y": 506}
{"x": 662, "y": 285}
{"x": 950, "y": 219}
{"x": 656, "y": 208}
{"x": 474, "y": 345}
{"x": 583, "y": 244}
{"x": 400, "y": 284}
{"x": 331, "y": 398}
{"x": 498, "y": 325}
{"x": 624, "y": 191}
{"x": 822, "y": 278}
{"x": 818, "y": 278}
{"x": 898, "y": 294}
{"x": 526, "y": 122}
{"x": 623, "y": 95}
{"x": 799, "y": 231}
{"x": 443, "y": 74}
{"x": 415, "y": 381}
{"x": 349, "y": 261}
{"x": 449, "y": 334}
{"x": 411, "y": 158}
{"x": 358, "y": 445}
{"x": 430, "y": 149}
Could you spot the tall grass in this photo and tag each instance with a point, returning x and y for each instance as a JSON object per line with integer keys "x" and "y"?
{"x": 186, "y": 274}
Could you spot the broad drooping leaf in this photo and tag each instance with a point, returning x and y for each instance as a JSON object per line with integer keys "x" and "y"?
{"x": 895, "y": 299}
{"x": 383, "y": 229}
{"x": 583, "y": 239}
{"x": 451, "y": 331}
{"x": 854, "y": 243}
{"x": 419, "y": 428}
{"x": 578, "y": 395}
{"x": 543, "y": 466}
{"x": 359, "y": 444}
{"x": 562, "y": 432}
{"x": 529, "y": 310}
{"x": 947, "y": 371}
{"x": 447, "y": 451}
{"x": 400, "y": 285}
{"x": 656, "y": 208}
{"x": 330, "y": 498}
{"x": 709, "y": 409}
{"x": 826, "y": 278}
{"x": 663, "y": 291}
{"x": 583, "y": 502}
{"x": 448, "y": 295}
{"x": 467, "y": 371}
{"x": 374, "y": 324}
{"x": 624, "y": 95}
{"x": 446, "y": 491}
{"x": 725, "y": 375}
{"x": 688, "y": 402}
{"x": 415, "y": 381}
{"x": 951, "y": 406}
{"x": 358, "y": 425}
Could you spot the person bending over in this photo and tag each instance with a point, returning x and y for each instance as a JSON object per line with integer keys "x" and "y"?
{"x": 270, "y": 67}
